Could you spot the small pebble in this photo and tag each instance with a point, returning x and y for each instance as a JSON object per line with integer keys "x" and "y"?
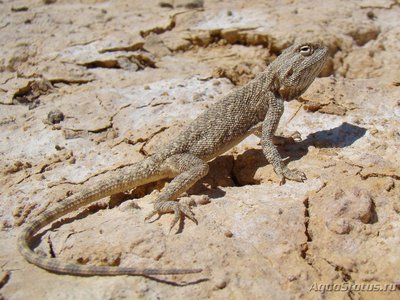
{"x": 373, "y": 131}
{"x": 228, "y": 233}
{"x": 371, "y": 15}
{"x": 221, "y": 284}
{"x": 292, "y": 277}
{"x": 216, "y": 82}
{"x": 55, "y": 116}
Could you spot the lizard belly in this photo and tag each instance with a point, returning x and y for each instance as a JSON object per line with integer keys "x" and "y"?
{"x": 209, "y": 155}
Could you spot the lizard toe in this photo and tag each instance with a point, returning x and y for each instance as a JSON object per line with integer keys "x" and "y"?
{"x": 188, "y": 213}
{"x": 180, "y": 210}
{"x": 296, "y": 136}
{"x": 177, "y": 217}
{"x": 150, "y": 215}
{"x": 294, "y": 175}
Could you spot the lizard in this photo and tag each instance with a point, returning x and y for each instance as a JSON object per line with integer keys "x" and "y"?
{"x": 254, "y": 108}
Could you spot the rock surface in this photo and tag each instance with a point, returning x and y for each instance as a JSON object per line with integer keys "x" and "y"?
{"x": 88, "y": 86}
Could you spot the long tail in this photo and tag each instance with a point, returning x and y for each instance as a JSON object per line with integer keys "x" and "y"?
{"x": 127, "y": 178}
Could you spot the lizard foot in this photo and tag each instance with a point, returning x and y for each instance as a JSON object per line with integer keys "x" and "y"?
{"x": 177, "y": 208}
{"x": 293, "y": 138}
{"x": 296, "y": 136}
{"x": 293, "y": 174}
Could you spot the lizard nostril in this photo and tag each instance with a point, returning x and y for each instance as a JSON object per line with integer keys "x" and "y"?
{"x": 289, "y": 73}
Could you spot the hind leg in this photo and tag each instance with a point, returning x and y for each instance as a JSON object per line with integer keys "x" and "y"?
{"x": 189, "y": 170}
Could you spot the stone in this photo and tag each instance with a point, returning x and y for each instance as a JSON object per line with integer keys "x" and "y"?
{"x": 128, "y": 77}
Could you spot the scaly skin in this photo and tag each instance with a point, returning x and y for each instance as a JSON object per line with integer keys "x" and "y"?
{"x": 252, "y": 109}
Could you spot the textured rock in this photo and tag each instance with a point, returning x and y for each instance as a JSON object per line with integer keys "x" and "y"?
{"x": 127, "y": 76}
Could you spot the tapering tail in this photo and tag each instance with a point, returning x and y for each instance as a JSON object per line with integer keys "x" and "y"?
{"x": 143, "y": 172}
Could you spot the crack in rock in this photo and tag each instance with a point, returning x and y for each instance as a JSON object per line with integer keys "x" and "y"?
{"x": 379, "y": 175}
{"x": 304, "y": 247}
{"x": 51, "y": 248}
{"x": 5, "y": 277}
{"x": 331, "y": 108}
{"x": 241, "y": 36}
{"x": 161, "y": 29}
{"x": 29, "y": 94}
{"x": 344, "y": 273}
{"x": 134, "y": 47}
{"x": 147, "y": 140}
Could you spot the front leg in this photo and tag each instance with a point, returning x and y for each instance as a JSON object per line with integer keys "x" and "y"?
{"x": 269, "y": 126}
{"x": 278, "y": 140}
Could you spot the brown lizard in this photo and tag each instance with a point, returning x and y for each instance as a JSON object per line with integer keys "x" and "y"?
{"x": 252, "y": 109}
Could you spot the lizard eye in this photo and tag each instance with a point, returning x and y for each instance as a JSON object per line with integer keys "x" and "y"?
{"x": 306, "y": 50}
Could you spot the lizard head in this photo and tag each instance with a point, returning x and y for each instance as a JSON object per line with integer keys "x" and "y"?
{"x": 297, "y": 67}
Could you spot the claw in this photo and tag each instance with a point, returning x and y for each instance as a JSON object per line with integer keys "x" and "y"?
{"x": 178, "y": 209}
{"x": 177, "y": 216}
{"x": 188, "y": 213}
{"x": 294, "y": 175}
{"x": 296, "y": 136}
{"x": 150, "y": 215}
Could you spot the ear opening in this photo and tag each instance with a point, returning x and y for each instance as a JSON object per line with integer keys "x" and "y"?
{"x": 289, "y": 73}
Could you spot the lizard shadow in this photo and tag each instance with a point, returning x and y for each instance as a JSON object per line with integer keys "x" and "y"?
{"x": 339, "y": 137}
{"x": 91, "y": 210}
{"x": 174, "y": 283}
{"x": 242, "y": 169}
